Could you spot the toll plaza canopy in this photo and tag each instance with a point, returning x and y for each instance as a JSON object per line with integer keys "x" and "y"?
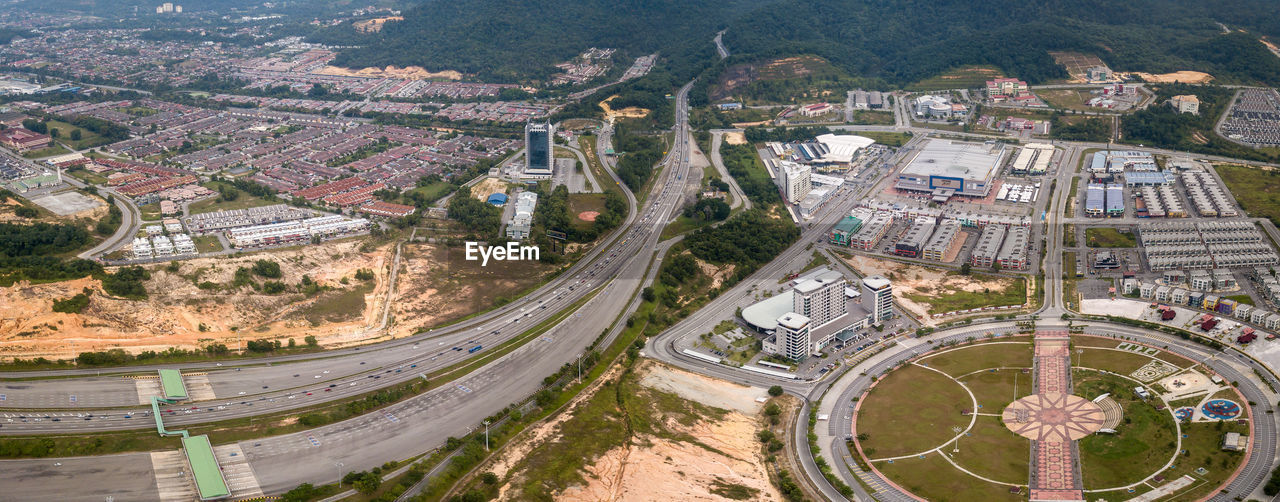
{"x": 171, "y": 384}
{"x": 204, "y": 468}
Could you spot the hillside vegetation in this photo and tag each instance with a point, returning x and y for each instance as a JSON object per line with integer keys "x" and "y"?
{"x": 895, "y": 43}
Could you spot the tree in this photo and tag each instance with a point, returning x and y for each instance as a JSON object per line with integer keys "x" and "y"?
{"x": 267, "y": 268}
{"x": 310, "y": 340}
{"x": 75, "y": 134}
{"x": 965, "y": 269}
{"x": 775, "y": 391}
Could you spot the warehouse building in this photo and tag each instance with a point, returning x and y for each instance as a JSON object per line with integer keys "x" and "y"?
{"x": 945, "y": 241}
{"x": 912, "y": 244}
{"x": 1032, "y": 159}
{"x": 1095, "y": 200}
{"x": 1115, "y": 200}
{"x": 987, "y": 251}
{"x": 946, "y": 168}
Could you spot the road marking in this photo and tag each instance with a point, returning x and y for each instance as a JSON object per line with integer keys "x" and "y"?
{"x": 73, "y": 398}
{"x": 390, "y": 417}
{"x": 3, "y": 397}
{"x": 314, "y": 441}
{"x": 463, "y": 388}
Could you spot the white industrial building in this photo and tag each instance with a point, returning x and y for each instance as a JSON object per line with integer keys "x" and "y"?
{"x": 938, "y": 107}
{"x": 819, "y": 310}
{"x": 796, "y": 181}
{"x": 522, "y": 221}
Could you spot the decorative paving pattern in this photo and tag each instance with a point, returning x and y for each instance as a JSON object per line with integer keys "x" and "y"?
{"x": 1154, "y": 370}
{"x": 1053, "y": 417}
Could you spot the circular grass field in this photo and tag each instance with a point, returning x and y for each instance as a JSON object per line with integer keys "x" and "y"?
{"x": 907, "y": 424}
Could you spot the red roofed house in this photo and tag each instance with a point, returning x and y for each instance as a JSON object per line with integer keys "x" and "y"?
{"x": 816, "y": 109}
{"x": 380, "y": 208}
{"x": 21, "y": 139}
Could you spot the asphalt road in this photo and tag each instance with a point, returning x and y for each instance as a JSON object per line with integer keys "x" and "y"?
{"x": 282, "y": 462}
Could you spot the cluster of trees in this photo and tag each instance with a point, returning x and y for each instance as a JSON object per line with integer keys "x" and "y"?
{"x": 477, "y": 216}
{"x": 111, "y": 222}
{"x": 40, "y": 239}
{"x": 900, "y": 43}
{"x": 637, "y": 151}
{"x": 741, "y": 162}
{"x": 708, "y": 209}
{"x": 73, "y": 305}
{"x": 116, "y": 357}
{"x": 760, "y": 134}
{"x": 1273, "y": 483}
{"x": 749, "y": 239}
{"x": 127, "y": 282}
{"x": 31, "y": 252}
{"x": 110, "y": 131}
{"x": 458, "y": 35}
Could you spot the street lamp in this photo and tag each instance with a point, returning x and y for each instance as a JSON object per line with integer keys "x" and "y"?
{"x": 339, "y": 465}
{"x": 486, "y": 435}
{"x": 957, "y": 429}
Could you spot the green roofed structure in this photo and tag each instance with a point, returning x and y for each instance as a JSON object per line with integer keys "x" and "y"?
{"x": 204, "y": 468}
{"x": 843, "y": 231}
{"x": 171, "y": 384}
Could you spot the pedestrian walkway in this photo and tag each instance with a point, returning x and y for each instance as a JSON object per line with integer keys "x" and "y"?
{"x": 1054, "y": 419}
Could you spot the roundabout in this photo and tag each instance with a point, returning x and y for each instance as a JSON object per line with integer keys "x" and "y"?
{"x": 1102, "y": 418}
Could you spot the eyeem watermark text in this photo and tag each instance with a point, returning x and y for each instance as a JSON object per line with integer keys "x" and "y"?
{"x": 510, "y": 252}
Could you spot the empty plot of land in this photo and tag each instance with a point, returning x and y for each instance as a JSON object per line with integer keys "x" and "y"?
{"x": 67, "y": 203}
{"x": 1076, "y": 63}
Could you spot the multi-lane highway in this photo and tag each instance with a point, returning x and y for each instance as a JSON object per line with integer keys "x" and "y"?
{"x": 617, "y": 269}
{"x": 614, "y": 270}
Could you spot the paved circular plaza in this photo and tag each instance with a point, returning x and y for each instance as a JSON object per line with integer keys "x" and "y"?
{"x": 1053, "y": 416}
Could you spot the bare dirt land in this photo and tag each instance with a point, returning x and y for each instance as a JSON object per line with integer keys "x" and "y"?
{"x": 177, "y": 308}
{"x": 411, "y": 72}
{"x": 374, "y": 25}
{"x": 1186, "y": 77}
{"x": 630, "y": 112}
{"x": 487, "y": 187}
{"x": 693, "y": 439}
{"x": 735, "y": 138}
{"x": 437, "y": 284}
{"x": 913, "y": 282}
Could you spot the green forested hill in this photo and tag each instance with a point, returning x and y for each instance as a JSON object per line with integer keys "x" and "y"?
{"x": 895, "y": 41}
{"x": 518, "y": 39}
{"x": 903, "y": 41}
